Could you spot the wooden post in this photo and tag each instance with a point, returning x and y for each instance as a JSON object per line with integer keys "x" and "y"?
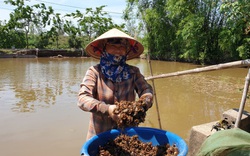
{"x": 243, "y": 100}
{"x": 155, "y": 97}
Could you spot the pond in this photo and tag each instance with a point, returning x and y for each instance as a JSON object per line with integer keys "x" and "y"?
{"x": 39, "y": 113}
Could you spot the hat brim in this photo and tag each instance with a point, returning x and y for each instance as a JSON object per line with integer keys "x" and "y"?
{"x": 94, "y": 48}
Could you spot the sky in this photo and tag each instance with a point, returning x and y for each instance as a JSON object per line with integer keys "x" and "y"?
{"x": 114, "y": 8}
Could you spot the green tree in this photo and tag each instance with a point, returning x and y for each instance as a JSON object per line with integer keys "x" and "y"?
{"x": 42, "y": 40}
{"x": 200, "y": 24}
{"x": 56, "y": 29}
{"x": 133, "y": 25}
{"x": 93, "y": 23}
{"x": 236, "y": 33}
{"x": 159, "y": 29}
{"x": 72, "y": 31}
{"x": 24, "y": 16}
{"x": 11, "y": 38}
{"x": 205, "y": 32}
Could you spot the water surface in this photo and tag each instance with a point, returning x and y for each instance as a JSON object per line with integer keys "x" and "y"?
{"x": 38, "y": 100}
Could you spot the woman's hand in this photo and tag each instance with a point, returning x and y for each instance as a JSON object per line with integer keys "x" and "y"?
{"x": 148, "y": 101}
{"x": 111, "y": 112}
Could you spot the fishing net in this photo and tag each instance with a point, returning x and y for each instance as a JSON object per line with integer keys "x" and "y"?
{"x": 231, "y": 142}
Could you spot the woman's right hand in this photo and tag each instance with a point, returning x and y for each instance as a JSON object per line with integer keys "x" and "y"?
{"x": 111, "y": 112}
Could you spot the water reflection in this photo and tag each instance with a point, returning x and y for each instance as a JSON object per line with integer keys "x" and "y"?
{"x": 33, "y": 83}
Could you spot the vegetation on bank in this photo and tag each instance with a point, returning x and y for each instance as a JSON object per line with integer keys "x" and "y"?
{"x": 200, "y": 31}
{"x": 203, "y": 32}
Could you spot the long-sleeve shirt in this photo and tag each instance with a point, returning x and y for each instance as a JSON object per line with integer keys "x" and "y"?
{"x": 97, "y": 93}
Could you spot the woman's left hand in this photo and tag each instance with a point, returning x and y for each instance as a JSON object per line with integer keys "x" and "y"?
{"x": 111, "y": 112}
{"x": 147, "y": 101}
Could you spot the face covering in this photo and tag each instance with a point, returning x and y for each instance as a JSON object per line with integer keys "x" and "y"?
{"x": 114, "y": 67}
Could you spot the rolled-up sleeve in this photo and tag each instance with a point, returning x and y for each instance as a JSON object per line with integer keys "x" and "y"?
{"x": 143, "y": 88}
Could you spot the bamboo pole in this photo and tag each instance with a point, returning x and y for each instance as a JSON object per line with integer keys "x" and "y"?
{"x": 155, "y": 97}
{"x": 243, "y": 100}
{"x": 241, "y": 63}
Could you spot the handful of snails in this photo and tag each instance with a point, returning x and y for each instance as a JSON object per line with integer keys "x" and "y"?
{"x": 131, "y": 113}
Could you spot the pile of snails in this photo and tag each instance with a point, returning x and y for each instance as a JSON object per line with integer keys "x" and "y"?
{"x": 131, "y": 146}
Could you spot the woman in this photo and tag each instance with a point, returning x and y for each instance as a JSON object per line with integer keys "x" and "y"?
{"x": 112, "y": 80}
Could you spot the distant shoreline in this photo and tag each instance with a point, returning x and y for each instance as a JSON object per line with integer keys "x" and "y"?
{"x": 35, "y": 53}
{"x": 53, "y": 53}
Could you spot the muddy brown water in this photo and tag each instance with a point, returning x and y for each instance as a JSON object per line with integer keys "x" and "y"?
{"x": 38, "y": 97}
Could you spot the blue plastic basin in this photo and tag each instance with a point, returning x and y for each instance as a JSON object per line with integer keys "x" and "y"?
{"x": 145, "y": 134}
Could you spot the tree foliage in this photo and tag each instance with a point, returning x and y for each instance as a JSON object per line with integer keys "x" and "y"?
{"x": 43, "y": 27}
{"x": 24, "y": 16}
{"x": 11, "y": 38}
{"x": 91, "y": 24}
{"x": 237, "y": 27}
{"x": 199, "y": 31}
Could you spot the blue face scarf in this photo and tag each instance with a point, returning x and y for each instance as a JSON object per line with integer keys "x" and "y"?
{"x": 114, "y": 67}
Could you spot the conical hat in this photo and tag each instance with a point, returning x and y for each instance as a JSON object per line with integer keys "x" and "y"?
{"x": 95, "y": 47}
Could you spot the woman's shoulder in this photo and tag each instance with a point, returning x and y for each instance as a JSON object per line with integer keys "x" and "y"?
{"x": 95, "y": 68}
{"x": 133, "y": 69}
